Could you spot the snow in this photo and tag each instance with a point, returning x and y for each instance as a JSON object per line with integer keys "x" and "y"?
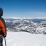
{"x": 25, "y": 39}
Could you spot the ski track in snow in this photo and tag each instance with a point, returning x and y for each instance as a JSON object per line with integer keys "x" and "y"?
{"x": 38, "y": 43}
{"x": 25, "y": 39}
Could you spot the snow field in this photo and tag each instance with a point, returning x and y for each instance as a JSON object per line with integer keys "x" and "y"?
{"x": 25, "y": 39}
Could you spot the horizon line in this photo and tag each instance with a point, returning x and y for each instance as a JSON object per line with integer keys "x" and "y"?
{"x": 25, "y": 17}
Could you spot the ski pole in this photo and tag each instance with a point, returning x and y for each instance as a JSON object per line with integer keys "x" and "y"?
{"x": 5, "y": 41}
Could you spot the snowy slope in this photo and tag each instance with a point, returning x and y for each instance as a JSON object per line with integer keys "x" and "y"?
{"x": 25, "y": 39}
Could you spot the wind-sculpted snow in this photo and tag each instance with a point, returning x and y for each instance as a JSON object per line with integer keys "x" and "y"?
{"x": 33, "y": 26}
{"x": 25, "y": 39}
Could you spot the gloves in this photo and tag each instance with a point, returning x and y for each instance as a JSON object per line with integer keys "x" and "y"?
{"x": 4, "y": 36}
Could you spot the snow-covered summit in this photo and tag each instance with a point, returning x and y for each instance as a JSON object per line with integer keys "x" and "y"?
{"x": 25, "y": 39}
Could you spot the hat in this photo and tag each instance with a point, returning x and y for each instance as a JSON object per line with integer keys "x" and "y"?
{"x": 1, "y": 11}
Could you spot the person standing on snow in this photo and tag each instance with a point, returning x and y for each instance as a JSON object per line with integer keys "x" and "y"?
{"x": 2, "y": 27}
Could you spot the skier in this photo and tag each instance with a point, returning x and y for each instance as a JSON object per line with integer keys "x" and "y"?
{"x": 2, "y": 27}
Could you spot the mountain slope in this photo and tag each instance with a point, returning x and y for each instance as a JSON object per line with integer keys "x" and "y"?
{"x": 25, "y": 39}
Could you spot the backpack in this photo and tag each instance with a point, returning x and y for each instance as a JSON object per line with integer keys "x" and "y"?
{"x": 1, "y": 32}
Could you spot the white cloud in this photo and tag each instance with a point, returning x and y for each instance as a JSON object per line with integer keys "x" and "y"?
{"x": 29, "y": 15}
{"x": 35, "y": 13}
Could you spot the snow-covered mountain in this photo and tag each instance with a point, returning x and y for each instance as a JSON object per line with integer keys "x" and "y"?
{"x": 28, "y": 25}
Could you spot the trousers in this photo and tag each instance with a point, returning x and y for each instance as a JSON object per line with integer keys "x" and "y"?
{"x": 1, "y": 41}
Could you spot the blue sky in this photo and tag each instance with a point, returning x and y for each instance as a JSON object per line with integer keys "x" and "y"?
{"x": 23, "y": 8}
